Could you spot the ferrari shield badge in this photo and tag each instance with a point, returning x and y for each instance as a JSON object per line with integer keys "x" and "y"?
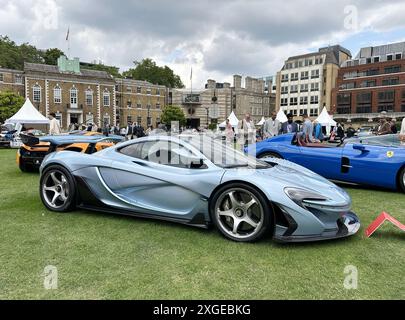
{"x": 390, "y": 154}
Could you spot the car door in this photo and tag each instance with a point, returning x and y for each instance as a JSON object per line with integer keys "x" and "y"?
{"x": 325, "y": 161}
{"x": 157, "y": 177}
{"x": 371, "y": 162}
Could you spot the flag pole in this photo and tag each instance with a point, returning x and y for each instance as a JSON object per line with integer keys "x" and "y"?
{"x": 191, "y": 80}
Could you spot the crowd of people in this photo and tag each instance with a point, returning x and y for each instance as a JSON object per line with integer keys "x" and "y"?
{"x": 310, "y": 131}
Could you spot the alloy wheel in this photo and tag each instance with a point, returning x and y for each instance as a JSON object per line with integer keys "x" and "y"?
{"x": 239, "y": 213}
{"x": 55, "y": 189}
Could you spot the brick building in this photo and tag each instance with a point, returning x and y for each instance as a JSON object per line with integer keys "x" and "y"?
{"x": 75, "y": 95}
{"x": 139, "y": 101}
{"x": 12, "y": 80}
{"x": 371, "y": 83}
{"x": 201, "y": 109}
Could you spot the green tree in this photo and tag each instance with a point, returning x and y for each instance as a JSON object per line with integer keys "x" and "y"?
{"x": 114, "y": 71}
{"x": 173, "y": 113}
{"x": 10, "y": 103}
{"x": 51, "y": 56}
{"x": 148, "y": 70}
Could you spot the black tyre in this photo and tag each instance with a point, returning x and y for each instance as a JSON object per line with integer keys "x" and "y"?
{"x": 23, "y": 166}
{"x": 241, "y": 213}
{"x": 57, "y": 189}
{"x": 270, "y": 155}
{"x": 402, "y": 180}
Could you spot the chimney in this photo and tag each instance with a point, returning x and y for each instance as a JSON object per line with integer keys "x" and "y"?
{"x": 211, "y": 84}
{"x": 249, "y": 83}
{"x": 237, "y": 81}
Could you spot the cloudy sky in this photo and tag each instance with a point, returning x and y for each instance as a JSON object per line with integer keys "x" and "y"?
{"x": 216, "y": 38}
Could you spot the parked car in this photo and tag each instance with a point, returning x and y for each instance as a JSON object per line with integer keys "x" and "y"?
{"x": 34, "y": 149}
{"x": 198, "y": 181}
{"x": 373, "y": 160}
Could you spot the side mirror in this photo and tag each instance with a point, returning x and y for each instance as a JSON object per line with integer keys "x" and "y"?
{"x": 360, "y": 147}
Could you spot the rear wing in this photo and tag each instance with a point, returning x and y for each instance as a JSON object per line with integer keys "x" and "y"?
{"x": 29, "y": 140}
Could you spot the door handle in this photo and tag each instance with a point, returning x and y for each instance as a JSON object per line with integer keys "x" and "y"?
{"x": 347, "y": 166}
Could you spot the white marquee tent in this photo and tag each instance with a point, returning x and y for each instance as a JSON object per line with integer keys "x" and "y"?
{"x": 28, "y": 114}
{"x": 326, "y": 120}
{"x": 281, "y": 116}
{"x": 233, "y": 120}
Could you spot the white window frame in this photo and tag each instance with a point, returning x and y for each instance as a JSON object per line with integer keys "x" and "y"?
{"x": 36, "y": 90}
{"x": 89, "y": 94}
{"x": 106, "y": 95}
{"x": 57, "y": 94}
{"x": 73, "y": 93}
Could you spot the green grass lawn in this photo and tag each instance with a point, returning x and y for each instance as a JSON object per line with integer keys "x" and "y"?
{"x": 101, "y": 256}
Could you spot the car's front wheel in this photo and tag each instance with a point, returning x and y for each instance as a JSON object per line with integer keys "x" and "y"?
{"x": 57, "y": 189}
{"x": 270, "y": 155}
{"x": 241, "y": 213}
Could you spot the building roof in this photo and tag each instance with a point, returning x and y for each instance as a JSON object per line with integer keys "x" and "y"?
{"x": 10, "y": 70}
{"x": 332, "y": 54}
{"x": 127, "y": 81}
{"x": 391, "y": 48}
{"x": 45, "y": 68}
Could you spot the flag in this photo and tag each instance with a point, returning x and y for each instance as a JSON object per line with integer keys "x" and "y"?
{"x": 67, "y": 35}
{"x": 191, "y": 75}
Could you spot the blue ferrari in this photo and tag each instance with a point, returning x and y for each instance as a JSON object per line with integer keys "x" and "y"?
{"x": 199, "y": 181}
{"x": 373, "y": 160}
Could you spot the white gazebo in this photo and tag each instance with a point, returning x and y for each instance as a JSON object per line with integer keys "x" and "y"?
{"x": 281, "y": 116}
{"x": 28, "y": 114}
{"x": 326, "y": 120}
{"x": 233, "y": 120}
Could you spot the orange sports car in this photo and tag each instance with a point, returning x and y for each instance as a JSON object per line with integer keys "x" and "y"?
{"x": 33, "y": 151}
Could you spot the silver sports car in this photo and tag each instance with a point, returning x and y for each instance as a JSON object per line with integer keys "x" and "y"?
{"x": 199, "y": 181}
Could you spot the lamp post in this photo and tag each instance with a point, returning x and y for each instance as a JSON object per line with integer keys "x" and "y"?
{"x": 148, "y": 119}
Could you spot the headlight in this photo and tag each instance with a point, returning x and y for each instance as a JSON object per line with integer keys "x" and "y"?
{"x": 300, "y": 195}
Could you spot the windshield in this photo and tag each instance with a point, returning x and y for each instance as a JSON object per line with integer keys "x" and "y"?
{"x": 391, "y": 140}
{"x": 222, "y": 154}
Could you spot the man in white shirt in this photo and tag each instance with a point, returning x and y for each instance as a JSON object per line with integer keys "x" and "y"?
{"x": 247, "y": 130}
{"x": 54, "y": 126}
{"x": 271, "y": 127}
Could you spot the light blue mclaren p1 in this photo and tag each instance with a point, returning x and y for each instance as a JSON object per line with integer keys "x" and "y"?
{"x": 199, "y": 181}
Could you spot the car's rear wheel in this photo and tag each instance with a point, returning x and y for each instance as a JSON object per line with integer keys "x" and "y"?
{"x": 57, "y": 189}
{"x": 402, "y": 179}
{"x": 241, "y": 213}
{"x": 270, "y": 155}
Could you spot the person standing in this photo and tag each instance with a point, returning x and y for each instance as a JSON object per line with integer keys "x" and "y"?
{"x": 290, "y": 126}
{"x": 402, "y": 132}
{"x": 384, "y": 128}
{"x": 247, "y": 130}
{"x": 393, "y": 124}
{"x": 340, "y": 131}
{"x": 307, "y": 129}
{"x": 271, "y": 127}
{"x": 229, "y": 133}
{"x": 54, "y": 126}
{"x": 129, "y": 131}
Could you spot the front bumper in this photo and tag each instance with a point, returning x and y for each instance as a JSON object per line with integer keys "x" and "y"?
{"x": 346, "y": 225}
